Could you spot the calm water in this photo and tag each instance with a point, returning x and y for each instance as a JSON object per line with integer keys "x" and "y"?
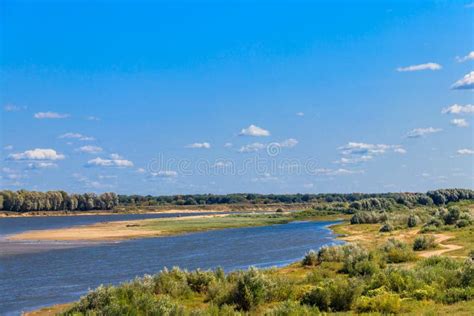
{"x": 32, "y": 279}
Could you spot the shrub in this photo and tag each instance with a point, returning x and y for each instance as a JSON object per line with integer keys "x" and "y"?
{"x": 173, "y": 283}
{"x": 339, "y": 253}
{"x": 199, "y": 280}
{"x": 310, "y": 258}
{"x": 333, "y": 295}
{"x": 435, "y": 222}
{"x": 424, "y": 243}
{"x": 387, "y": 227}
{"x": 384, "y": 303}
{"x": 251, "y": 289}
{"x": 454, "y": 295}
{"x": 396, "y": 251}
{"x": 452, "y": 216}
{"x": 368, "y": 218}
{"x": 462, "y": 223}
{"x": 292, "y": 308}
{"x": 412, "y": 220}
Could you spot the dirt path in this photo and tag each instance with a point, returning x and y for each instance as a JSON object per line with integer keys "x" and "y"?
{"x": 440, "y": 238}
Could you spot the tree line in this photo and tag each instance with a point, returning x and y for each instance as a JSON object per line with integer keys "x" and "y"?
{"x": 30, "y": 201}
{"x": 27, "y": 201}
{"x": 367, "y": 201}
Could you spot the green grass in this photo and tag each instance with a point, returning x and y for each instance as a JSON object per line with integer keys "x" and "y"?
{"x": 189, "y": 225}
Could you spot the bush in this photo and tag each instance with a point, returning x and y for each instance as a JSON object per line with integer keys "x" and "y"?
{"x": 454, "y": 295}
{"x": 368, "y": 218}
{"x": 310, "y": 258}
{"x": 424, "y": 243}
{"x": 333, "y": 295}
{"x": 452, "y": 216}
{"x": 387, "y": 227}
{"x": 199, "y": 281}
{"x": 462, "y": 223}
{"x": 293, "y": 308}
{"x": 384, "y": 303}
{"x": 412, "y": 220}
{"x": 251, "y": 289}
{"x": 173, "y": 283}
{"x": 396, "y": 251}
{"x": 339, "y": 253}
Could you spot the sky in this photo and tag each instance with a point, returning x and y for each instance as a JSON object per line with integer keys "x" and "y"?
{"x": 184, "y": 97}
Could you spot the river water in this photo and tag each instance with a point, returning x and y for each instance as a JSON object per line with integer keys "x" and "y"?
{"x": 37, "y": 274}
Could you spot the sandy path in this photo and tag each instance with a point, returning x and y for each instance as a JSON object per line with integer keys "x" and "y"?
{"x": 439, "y": 238}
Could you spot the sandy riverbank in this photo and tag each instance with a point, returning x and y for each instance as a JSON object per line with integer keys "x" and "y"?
{"x": 109, "y": 231}
{"x": 156, "y": 227}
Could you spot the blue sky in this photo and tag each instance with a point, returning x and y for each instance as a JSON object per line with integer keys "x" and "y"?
{"x": 247, "y": 96}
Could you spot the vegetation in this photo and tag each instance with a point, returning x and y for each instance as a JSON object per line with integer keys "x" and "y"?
{"x": 360, "y": 203}
{"x": 379, "y": 272}
{"x": 29, "y": 201}
{"x": 334, "y": 279}
{"x": 424, "y": 243}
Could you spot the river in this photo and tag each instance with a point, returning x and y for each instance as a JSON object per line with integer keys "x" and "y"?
{"x": 37, "y": 274}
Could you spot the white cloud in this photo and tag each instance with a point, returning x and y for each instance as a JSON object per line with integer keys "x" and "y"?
{"x": 92, "y": 118}
{"x": 228, "y": 145}
{"x": 50, "y": 115}
{"x": 76, "y": 136}
{"x": 337, "y": 172}
{"x": 427, "y": 66}
{"x": 37, "y": 154}
{"x": 141, "y": 170}
{"x": 116, "y": 156}
{"x": 223, "y": 164}
{"x": 113, "y": 162}
{"x": 204, "y": 145}
{"x": 251, "y": 147}
{"x": 353, "y": 160}
{"x": 165, "y": 174}
{"x": 469, "y": 56}
{"x": 8, "y": 147}
{"x": 41, "y": 165}
{"x": 300, "y": 114}
{"x": 354, "y": 152}
{"x": 354, "y": 148}
{"x": 400, "y": 150}
{"x": 289, "y": 143}
{"x": 466, "y": 83}
{"x": 420, "y": 132}
{"x": 459, "y": 109}
{"x": 89, "y": 149}
{"x": 459, "y": 122}
{"x": 465, "y": 151}
{"x": 255, "y": 131}
{"x": 266, "y": 177}
{"x": 13, "y": 108}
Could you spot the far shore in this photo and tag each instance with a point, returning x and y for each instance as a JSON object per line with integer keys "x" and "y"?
{"x": 217, "y": 208}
